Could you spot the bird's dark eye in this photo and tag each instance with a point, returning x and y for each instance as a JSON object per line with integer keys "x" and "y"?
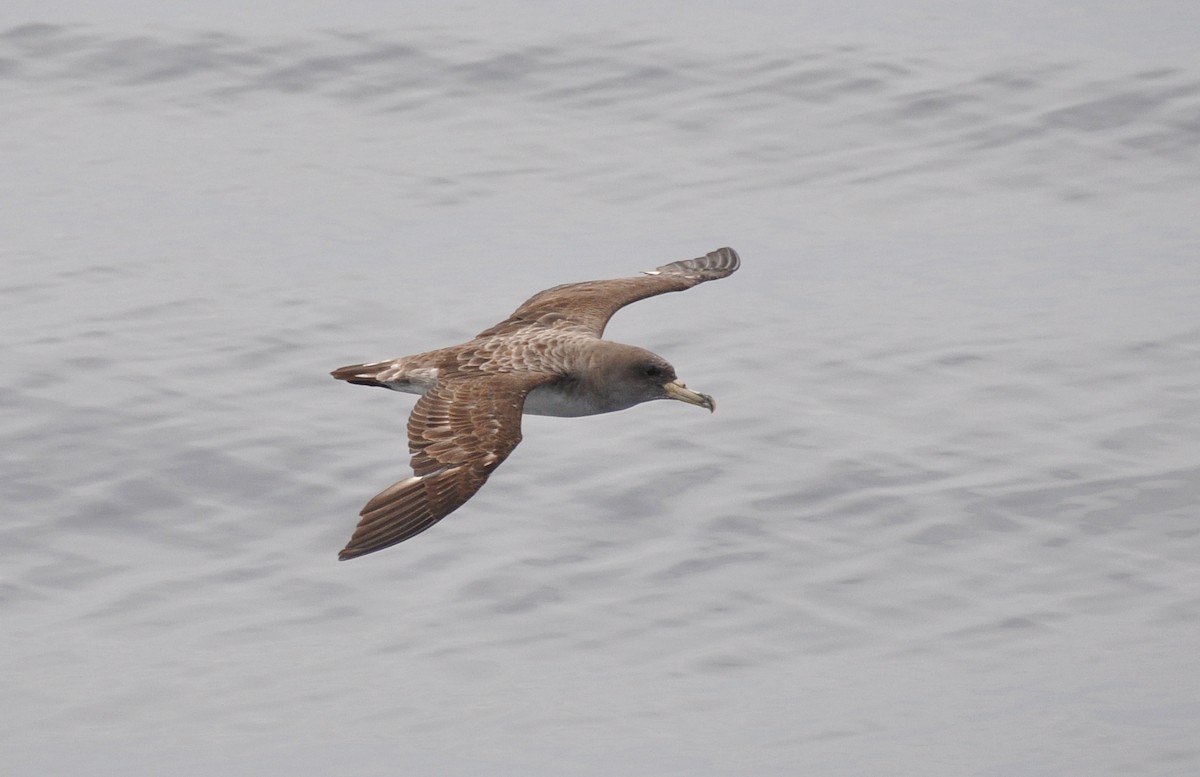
{"x": 652, "y": 371}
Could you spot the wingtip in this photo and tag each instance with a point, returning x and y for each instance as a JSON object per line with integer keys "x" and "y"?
{"x": 724, "y": 258}
{"x": 720, "y": 263}
{"x": 350, "y": 551}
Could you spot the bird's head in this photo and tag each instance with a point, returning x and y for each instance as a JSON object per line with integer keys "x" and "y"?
{"x": 643, "y": 376}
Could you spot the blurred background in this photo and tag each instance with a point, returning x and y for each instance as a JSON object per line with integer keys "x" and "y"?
{"x": 944, "y": 521}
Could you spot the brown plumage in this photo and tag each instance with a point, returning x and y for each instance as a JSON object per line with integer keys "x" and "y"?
{"x": 547, "y": 358}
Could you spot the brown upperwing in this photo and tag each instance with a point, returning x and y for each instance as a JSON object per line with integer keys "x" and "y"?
{"x": 591, "y": 304}
{"x": 459, "y": 431}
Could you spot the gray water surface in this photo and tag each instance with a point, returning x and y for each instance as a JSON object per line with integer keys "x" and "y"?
{"x": 944, "y": 521}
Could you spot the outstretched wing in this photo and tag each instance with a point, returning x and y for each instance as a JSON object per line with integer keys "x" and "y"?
{"x": 459, "y": 431}
{"x": 590, "y": 305}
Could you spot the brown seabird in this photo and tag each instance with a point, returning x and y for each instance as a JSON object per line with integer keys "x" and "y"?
{"x": 547, "y": 358}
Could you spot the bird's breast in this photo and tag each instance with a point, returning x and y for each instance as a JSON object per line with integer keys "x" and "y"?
{"x": 563, "y": 400}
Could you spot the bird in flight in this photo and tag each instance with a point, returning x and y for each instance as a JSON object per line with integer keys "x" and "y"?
{"x": 547, "y": 358}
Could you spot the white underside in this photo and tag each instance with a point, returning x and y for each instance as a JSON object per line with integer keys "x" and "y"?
{"x": 543, "y": 400}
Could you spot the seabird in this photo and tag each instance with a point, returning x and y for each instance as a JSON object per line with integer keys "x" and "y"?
{"x": 547, "y": 358}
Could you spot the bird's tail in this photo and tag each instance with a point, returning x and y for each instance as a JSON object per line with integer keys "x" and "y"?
{"x": 362, "y": 374}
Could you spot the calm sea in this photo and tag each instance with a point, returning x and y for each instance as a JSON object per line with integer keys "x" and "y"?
{"x": 945, "y": 520}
